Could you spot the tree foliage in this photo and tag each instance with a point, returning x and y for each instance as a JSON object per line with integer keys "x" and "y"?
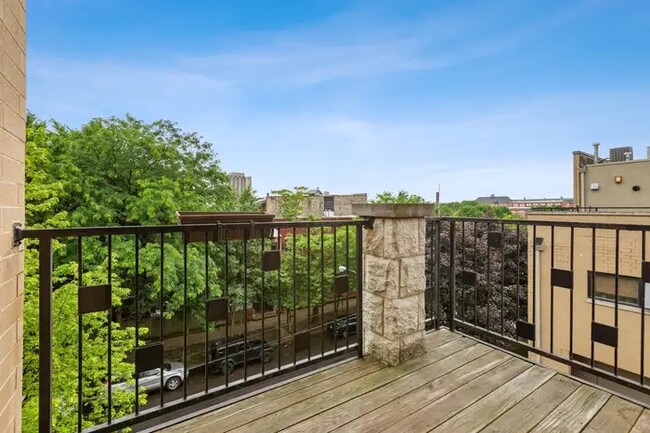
{"x": 292, "y": 202}
{"x": 115, "y": 171}
{"x": 402, "y": 197}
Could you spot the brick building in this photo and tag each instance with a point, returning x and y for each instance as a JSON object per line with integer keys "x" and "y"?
{"x": 12, "y": 208}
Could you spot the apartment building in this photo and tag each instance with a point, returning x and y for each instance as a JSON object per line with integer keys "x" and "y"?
{"x": 608, "y": 269}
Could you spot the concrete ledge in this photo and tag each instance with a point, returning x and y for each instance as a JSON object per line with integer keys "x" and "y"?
{"x": 393, "y": 210}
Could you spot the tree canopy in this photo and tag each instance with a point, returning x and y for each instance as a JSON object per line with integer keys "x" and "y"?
{"x": 401, "y": 197}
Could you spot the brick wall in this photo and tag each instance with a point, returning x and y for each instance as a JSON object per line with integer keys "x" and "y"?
{"x": 12, "y": 207}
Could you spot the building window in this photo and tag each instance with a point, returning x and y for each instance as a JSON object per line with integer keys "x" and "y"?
{"x": 329, "y": 203}
{"x": 629, "y": 289}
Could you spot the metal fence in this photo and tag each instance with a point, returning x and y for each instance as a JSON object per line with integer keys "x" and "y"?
{"x": 298, "y": 300}
{"x": 563, "y": 292}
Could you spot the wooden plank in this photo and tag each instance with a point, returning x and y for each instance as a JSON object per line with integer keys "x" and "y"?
{"x": 440, "y": 410}
{"x": 534, "y": 408}
{"x": 617, "y": 415}
{"x": 282, "y": 415}
{"x": 575, "y": 412}
{"x": 342, "y": 414}
{"x": 643, "y": 423}
{"x": 490, "y": 407}
{"x": 438, "y": 338}
{"x": 310, "y": 384}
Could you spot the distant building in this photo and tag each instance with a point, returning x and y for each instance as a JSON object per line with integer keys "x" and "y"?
{"x": 319, "y": 204}
{"x": 240, "y": 182}
{"x": 619, "y": 181}
{"x": 522, "y": 206}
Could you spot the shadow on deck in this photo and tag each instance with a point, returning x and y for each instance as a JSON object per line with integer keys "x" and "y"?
{"x": 460, "y": 385}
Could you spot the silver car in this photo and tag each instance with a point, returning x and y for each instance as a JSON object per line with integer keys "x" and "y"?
{"x": 173, "y": 378}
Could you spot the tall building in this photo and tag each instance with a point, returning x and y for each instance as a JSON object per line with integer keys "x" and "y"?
{"x": 240, "y": 182}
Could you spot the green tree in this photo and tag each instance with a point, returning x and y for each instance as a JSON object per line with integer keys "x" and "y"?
{"x": 115, "y": 171}
{"x": 401, "y": 197}
{"x": 292, "y": 202}
{"x": 472, "y": 209}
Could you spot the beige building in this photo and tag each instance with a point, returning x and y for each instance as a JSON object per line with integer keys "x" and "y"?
{"x": 615, "y": 190}
{"x": 631, "y": 291}
{"x": 319, "y": 204}
{"x": 12, "y": 208}
{"x": 617, "y": 181}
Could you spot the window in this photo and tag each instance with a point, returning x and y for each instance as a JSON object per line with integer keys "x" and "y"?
{"x": 629, "y": 288}
{"x": 328, "y": 204}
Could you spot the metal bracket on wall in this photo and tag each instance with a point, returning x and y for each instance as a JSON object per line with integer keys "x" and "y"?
{"x": 18, "y": 234}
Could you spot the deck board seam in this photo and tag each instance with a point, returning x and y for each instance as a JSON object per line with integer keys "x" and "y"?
{"x": 609, "y": 397}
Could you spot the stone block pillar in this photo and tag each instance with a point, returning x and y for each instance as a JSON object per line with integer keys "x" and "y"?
{"x": 394, "y": 281}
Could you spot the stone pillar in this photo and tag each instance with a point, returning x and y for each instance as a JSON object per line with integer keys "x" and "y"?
{"x": 12, "y": 208}
{"x": 394, "y": 280}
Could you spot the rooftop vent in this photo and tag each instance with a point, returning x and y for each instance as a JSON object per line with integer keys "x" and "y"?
{"x": 619, "y": 154}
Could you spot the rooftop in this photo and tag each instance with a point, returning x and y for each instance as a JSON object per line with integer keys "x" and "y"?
{"x": 459, "y": 385}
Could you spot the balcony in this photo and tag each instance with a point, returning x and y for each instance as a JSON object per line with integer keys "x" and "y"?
{"x": 495, "y": 325}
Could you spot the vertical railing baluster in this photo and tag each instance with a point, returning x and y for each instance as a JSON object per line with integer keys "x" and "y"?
{"x": 246, "y": 236}
{"x": 162, "y": 309}
{"x": 322, "y": 291}
{"x": 489, "y": 279}
{"x": 518, "y": 269}
{"x": 347, "y": 295}
{"x": 45, "y": 335}
{"x": 642, "y": 301}
{"x": 263, "y": 302}
{"x": 572, "y": 255}
{"x": 452, "y": 275}
{"x": 205, "y": 311}
{"x": 279, "y": 326}
{"x": 593, "y": 291}
{"x": 503, "y": 273}
{"x": 137, "y": 322}
{"x": 109, "y": 329}
{"x": 224, "y": 232}
{"x": 336, "y": 298}
{"x": 476, "y": 272}
{"x": 462, "y": 267}
{"x": 80, "y": 392}
{"x": 186, "y": 234}
{"x": 552, "y": 286}
{"x": 293, "y": 286}
{"x": 437, "y": 273}
{"x": 359, "y": 270}
{"x": 616, "y": 287}
{"x": 533, "y": 249}
{"x": 309, "y": 288}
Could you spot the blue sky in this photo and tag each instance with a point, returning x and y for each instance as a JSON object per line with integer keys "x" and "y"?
{"x": 360, "y": 96}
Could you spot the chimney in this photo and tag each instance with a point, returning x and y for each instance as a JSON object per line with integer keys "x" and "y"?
{"x": 596, "y": 147}
{"x": 648, "y": 152}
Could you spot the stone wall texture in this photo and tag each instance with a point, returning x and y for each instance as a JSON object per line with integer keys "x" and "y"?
{"x": 394, "y": 284}
{"x": 12, "y": 208}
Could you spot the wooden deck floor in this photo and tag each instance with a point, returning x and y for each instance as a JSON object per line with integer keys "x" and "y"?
{"x": 458, "y": 386}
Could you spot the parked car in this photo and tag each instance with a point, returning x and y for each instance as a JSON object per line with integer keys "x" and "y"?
{"x": 343, "y": 326}
{"x": 236, "y": 350}
{"x": 173, "y": 377}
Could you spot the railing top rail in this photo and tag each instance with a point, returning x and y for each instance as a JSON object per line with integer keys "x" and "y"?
{"x": 548, "y": 223}
{"x": 21, "y": 233}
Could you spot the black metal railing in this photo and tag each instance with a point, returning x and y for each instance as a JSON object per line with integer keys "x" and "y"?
{"x": 548, "y": 290}
{"x": 232, "y": 297}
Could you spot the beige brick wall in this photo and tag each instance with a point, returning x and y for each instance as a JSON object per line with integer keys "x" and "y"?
{"x": 12, "y": 207}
